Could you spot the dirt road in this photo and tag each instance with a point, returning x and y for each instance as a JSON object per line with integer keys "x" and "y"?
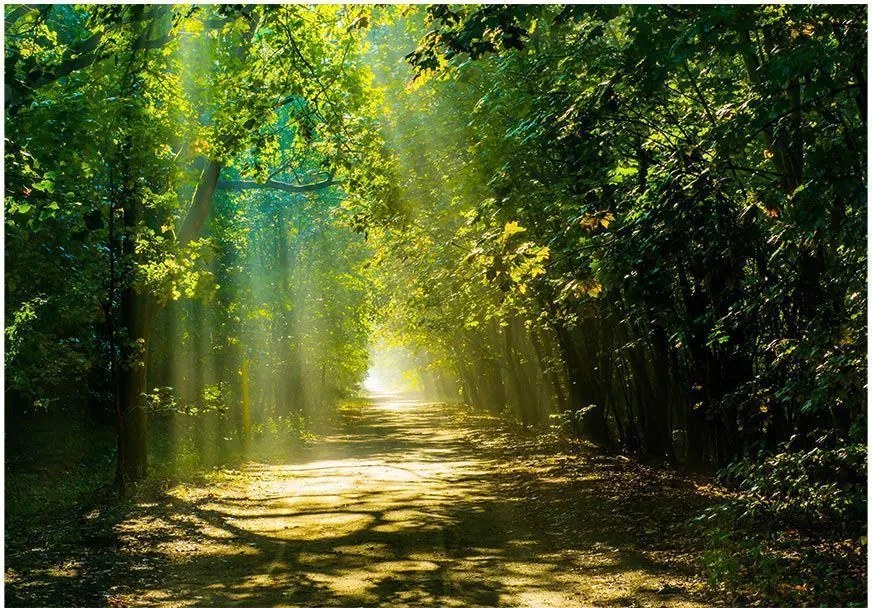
{"x": 404, "y": 503}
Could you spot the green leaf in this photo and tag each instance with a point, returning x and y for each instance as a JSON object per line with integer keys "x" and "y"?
{"x": 44, "y": 186}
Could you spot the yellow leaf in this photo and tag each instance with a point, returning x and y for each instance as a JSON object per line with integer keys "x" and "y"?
{"x": 589, "y": 222}
{"x": 847, "y": 337}
{"x": 510, "y": 229}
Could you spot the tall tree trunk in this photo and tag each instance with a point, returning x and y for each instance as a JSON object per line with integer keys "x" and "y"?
{"x": 652, "y": 408}
{"x": 137, "y": 314}
{"x": 525, "y": 398}
{"x": 554, "y": 392}
{"x": 592, "y": 424}
{"x": 246, "y": 401}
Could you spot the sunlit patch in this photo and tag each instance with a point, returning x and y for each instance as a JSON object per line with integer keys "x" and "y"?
{"x": 307, "y": 527}
{"x": 184, "y": 550}
{"x": 395, "y": 512}
{"x": 65, "y": 569}
{"x": 400, "y": 515}
{"x": 528, "y": 569}
{"x": 398, "y": 527}
{"x": 351, "y": 584}
{"x": 398, "y": 405}
{"x": 406, "y": 566}
{"x": 539, "y": 598}
{"x": 11, "y": 576}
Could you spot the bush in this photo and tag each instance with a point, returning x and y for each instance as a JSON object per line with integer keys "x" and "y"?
{"x": 794, "y": 531}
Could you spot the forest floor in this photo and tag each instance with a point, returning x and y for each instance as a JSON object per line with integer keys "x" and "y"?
{"x": 399, "y": 503}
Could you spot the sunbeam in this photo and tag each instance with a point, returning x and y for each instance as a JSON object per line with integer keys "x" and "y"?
{"x": 435, "y": 305}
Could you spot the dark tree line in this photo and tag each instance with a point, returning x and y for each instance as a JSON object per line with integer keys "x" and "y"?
{"x": 698, "y": 178}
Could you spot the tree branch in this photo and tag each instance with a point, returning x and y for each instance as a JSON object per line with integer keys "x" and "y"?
{"x": 80, "y": 56}
{"x": 238, "y": 185}
{"x": 22, "y": 10}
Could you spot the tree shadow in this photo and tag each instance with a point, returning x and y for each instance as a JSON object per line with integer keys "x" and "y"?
{"x": 400, "y": 506}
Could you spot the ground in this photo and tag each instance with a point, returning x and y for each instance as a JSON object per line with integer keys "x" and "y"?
{"x": 400, "y": 502}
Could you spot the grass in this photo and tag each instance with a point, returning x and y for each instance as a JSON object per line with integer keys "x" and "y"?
{"x": 54, "y": 467}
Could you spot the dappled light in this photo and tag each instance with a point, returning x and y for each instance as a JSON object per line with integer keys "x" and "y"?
{"x": 365, "y": 305}
{"x": 396, "y": 507}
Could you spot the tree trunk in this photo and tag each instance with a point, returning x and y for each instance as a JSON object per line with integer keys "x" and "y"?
{"x": 592, "y": 424}
{"x": 525, "y": 399}
{"x": 137, "y": 314}
{"x": 554, "y": 394}
{"x": 246, "y": 401}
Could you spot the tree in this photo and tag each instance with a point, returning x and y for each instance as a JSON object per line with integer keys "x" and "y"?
{"x": 147, "y": 62}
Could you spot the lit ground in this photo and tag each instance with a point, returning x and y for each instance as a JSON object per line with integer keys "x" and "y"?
{"x": 410, "y": 504}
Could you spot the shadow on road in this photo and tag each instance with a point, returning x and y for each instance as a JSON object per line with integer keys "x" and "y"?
{"x": 404, "y": 504}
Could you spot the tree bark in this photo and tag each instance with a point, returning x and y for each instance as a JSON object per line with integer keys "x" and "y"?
{"x": 137, "y": 315}
{"x": 201, "y": 203}
{"x": 592, "y": 424}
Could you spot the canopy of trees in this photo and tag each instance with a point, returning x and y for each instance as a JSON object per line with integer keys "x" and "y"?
{"x": 645, "y": 224}
{"x": 175, "y": 252}
{"x": 656, "y": 218}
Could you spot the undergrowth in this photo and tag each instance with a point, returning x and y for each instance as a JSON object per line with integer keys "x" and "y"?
{"x": 58, "y": 478}
{"x": 793, "y": 533}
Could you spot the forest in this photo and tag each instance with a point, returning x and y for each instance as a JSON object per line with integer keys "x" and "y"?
{"x": 435, "y": 305}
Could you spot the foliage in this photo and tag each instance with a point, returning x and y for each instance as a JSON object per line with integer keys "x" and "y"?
{"x": 105, "y": 234}
{"x": 704, "y": 292}
{"x": 646, "y": 222}
{"x": 675, "y": 178}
